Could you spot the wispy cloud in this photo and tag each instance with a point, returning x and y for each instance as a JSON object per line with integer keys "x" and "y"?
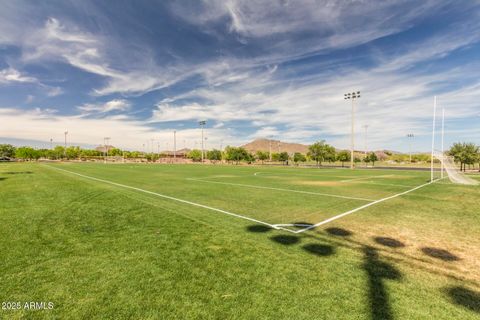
{"x": 113, "y": 105}
{"x": 12, "y": 75}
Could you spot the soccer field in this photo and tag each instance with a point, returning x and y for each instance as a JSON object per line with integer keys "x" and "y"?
{"x": 216, "y": 241}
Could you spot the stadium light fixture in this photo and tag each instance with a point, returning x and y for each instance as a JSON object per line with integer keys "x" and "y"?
{"x": 352, "y": 96}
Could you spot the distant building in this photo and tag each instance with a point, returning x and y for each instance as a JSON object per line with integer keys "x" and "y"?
{"x": 102, "y": 149}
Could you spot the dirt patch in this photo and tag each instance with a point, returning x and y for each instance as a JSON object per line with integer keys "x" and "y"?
{"x": 318, "y": 183}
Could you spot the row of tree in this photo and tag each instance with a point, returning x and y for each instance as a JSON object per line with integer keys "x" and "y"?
{"x": 319, "y": 152}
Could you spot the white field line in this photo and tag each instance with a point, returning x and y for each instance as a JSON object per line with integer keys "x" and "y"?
{"x": 366, "y": 178}
{"x": 384, "y": 184}
{"x": 281, "y": 189}
{"x": 362, "y": 207}
{"x": 174, "y": 199}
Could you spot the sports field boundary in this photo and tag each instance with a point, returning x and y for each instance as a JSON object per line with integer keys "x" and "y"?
{"x": 363, "y": 207}
{"x": 172, "y": 198}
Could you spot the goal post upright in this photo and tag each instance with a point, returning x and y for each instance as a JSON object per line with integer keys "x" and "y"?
{"x": 433, "y": 136}
{"x": 443, "y": 151}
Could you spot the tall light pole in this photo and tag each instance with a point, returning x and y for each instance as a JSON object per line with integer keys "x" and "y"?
{"x": 174, "y": 144}
{"x": 410, "y": 138}
{"x": 65, "y": 150}
{"x": 202, "y": 125}
{"x": 105, "y": 151}
{"x": 352, "y": 96}
{"x": 270, "y": 150}
{"x": 51, "y": 143}
{"x": 366, "y": 150}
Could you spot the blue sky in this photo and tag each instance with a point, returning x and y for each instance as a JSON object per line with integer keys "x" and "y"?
{"x": 136, "y": 71}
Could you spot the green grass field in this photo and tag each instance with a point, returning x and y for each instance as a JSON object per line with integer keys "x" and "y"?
{"x": 126, "y": 241}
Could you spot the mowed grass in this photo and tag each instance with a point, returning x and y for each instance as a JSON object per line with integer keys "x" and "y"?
{"x": 102, "y": 251}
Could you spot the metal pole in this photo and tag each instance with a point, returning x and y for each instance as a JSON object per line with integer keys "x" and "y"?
{"x": 433, "y": 136}
{"x": 443, "y": 127}
{"x": 366, "y": 127}
{"x": 65, "y": 150}
{"x": 174, "y": 144}
{"x": 202, "y": 145}
{"x": 352, "y": 142}
{"x": 270, "y": 150}
{"x": 51, "y": 143}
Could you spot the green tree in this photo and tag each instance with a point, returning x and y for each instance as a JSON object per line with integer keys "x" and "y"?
{"x": 298, "y": 157}
{"x": 320, "y": 151}
{"x": 465, "y": 153}
{"x": 7, "y": 151}
{"x": 27, "y": 153}
{"x": 343, "y": 156}
{"x": 283, "y": 157}
{"x": 72, "y": 152}
{"x": 371, "y": 157}
{"x": 237, "y": 154}
{"x": 214, "y": 155}
{"x": 195, "y": 155}
{"x": 262, "y": 155}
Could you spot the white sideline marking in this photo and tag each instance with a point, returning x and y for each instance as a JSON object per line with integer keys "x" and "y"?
{"x": 366, "y": 178}
{"x": 174, "y": 199}
{"x": 363, "y": 207}
{"x": 281, "y": 189}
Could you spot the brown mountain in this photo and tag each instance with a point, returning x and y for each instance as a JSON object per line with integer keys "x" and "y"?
{"x": 276, "y": 145}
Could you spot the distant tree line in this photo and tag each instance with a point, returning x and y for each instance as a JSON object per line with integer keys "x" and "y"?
{"x": 465, "y": 154}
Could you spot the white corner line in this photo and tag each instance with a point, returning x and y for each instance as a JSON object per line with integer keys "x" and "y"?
{"x": 281, "y": 189}
{"x": 174, "y": 199}
{"x": 363, "y": 207}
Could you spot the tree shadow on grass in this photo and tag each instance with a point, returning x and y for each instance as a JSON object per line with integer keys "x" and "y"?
{"x": 319, "y": 249}
{"x": 2, "y": 178}
{"x": 285, "y": 239}
{"x": 379, "y": 271}
{"x": 18, "y": 172}
{"x": 259, "y": 228}
{"x": 440, "y": 254}
{"x": 339, "y": 232}
{"x": 465, "y": 298}
{"x": 389, "y": 242}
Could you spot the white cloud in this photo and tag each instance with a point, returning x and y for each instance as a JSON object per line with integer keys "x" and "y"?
{"x": 41, "y": 124}
{"x": 113, "y": 105}
{"x": 11, "y": 75}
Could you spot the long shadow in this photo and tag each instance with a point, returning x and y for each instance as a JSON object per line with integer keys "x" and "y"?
{"x": 285, "y": 239}
{"x": 389, "y": 242}
{"x": 339, "y": 232}
{"x": 18, "y": 172}
{"x": 465, "y": 297}
{"x": 320, "y": 250}
{"x": 2, "y": 178}
{"x": 440, "y": 254}
{"x": 379, "y": 271}
{"x": 259, "y": 228}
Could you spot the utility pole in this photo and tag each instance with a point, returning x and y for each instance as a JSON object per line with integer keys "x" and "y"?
{"x": 65, "y": 150}
{"x": 410, "y": 138}
{"x": 202, "y": 125}
{"x": 270, "y": 150}
{"x": 105, "y": 151}
{"x": 352, "y": 96}
{"x": 174, "y": 144}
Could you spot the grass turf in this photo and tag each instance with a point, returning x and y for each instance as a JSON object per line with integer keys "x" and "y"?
{"x": 101, "y": 251}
